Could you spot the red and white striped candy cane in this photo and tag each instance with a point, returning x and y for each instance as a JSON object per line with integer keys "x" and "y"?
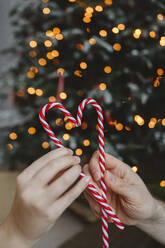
{"x": 101, "y": 199}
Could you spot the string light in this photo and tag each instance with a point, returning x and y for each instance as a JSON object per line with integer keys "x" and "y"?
{"x": 20, "y": 93}
{"x": 107, "y": 69}
{"x": 42, "y": 61}
{"x": 108, "y": 2}
{"x": 121, "y": 26}
{"x": 135, "y": 168}
{"x": 117, "y": 47}
{"x": 68, "y": 125}
{"x": 52, "y": 99}
{"x": 83, "y": 65}
{"x": 33, "y": 54}
{"x": 103, "y": 33}
{"x": 59, "y": 121}
{"x": 152, "y": 34}
{"x": 31, "y": 90}
{"x": 31, "y": 130}
{"x": 49, "y": 33}
{"x": 127, "y": 128}
{"x": 162, "y": 41}
{"x": 152, "y": 122}
{"x": 86, "y": 19}
{"x": 59, "y": 36}
{"x": 63, "y": 95}
{"x": 157, "y": 82}
{"x": 56, "y": 30}
{"x": 33, "y": 43}
{"x": 45, "y": 1}
{"x": 45, "y": 145}
{"x": 92, "y": 41}
{"x": 139, "y": 120}
{"x": 39, "y": 92}
{"x": 86, "y": 142}
{"x": 119, "y": 126}
{"x": 89, "y": 10}
{"x": 60, "y": 70}
{"x": 160, "y": 71}
{"x": 13, "y": 136}
{"x": 49, "y": 55}
{"x": 99, "y": 8}
{"x": 55, "y": 53}
{"x": 102, "y": 86}
{"x": 46, "y": 11}
{"x": 163, "y": 122}
{"x": 78, "y": 73}
{"x": 80, "y": 92}
{"x": 162, "y": 183}
{"x": 160, "y": 17}
{"x": 79, "y": 151}
{"x": 115, "y": 30}
{"x": 47, "y": 43}
{"x": 84, "y": 126}
{"x": 30, "y": 74}
{"x": 34, "y": 69}
{"x": 137, "y": 33}
{"x": 66, "y": 136}
{"x": 10, "y": 146}
{"x": 79, "y": 46}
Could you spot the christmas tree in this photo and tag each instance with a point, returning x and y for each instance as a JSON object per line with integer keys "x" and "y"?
{"x": 112, "y": 51}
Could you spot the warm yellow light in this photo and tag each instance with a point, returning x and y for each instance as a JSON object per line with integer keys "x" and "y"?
{"x": 119, "y": 126}
{"x": 47, "y": 43}
{"x": 163, "y": 122}
{"x": 45, "y": 145}
{"x": 39, "y": 92}
{"x": 86, "y": 19}
{"x": 99, "y": 8}
{"x": 31, "y": 130}
{"x": 84, "y": 125}
{"x": 59, "y": 36}
{"x": 135, "y": 168}
{"x": 49, "y": 33}
{"x": 108, "y": 2}
{"x": 160, "y": 17}
{"x": 42, "y": 61}
{"x": 89, "y": 10}
{"x": 89, "y": 15}
{"x": 59, "y": 121}
{"x": 34, "y": 69}
{"x": 139, "y": 120}
{"x": 86, "y": 142}
{"x": 56, "y": 30}
{"x": 115, "y": 30}
{"x": 66, "y": 136}
{"x": 31, "y": 90}
{"x": 32, "y": 53}
{"x": 79, "y": 46}
{"x": 78, "y": 73}
{"x": 103, "y": 33}
{"x": 160, "y": 71}
{"x": 117, "y": 47}
{"x": 55, "y": 53}
{"x": 162, "y": 183}
{"x": 10, "y": 146}
{"x": 30, "y": 74}
{"x": 13, "y": 136}
{"x": 52, "y": 99}
{"x": 137, "y": 33}
{"x": 63, "y": 95}
{"x": 162, "y": 41}
{"x": 83, "y": 65}
{"x": 92, "y": 41}
{"x": 107, "y": 69}
{"x": 121, "y": 26}
{"x": 60, "y": 70}
{"x": 49, "y": 55}
{"x": 79, "y": 152}
{"x": 68, "y": 125}
{"x": 80, "y": 92}
{"x": 152, "y": 34}
{"x": 32, "y": 43}
{"x": 152, "y": 122}
{"x": 45, "y": 1}
{"x": 46, "y": 11}
{"x": 102, "y": 86}
{"x": 72, "y": 1}
{"x": 20, "y": 93}
{"x": 127, "y": 128}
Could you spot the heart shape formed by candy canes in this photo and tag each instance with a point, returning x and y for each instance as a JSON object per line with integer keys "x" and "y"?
{"x": 100, "y": 198}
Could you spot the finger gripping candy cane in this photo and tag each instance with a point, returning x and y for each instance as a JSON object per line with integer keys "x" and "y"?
{"x": 100, "y": 198}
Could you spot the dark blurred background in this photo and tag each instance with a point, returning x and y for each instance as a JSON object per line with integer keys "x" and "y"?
{"x": 68, "y": 50}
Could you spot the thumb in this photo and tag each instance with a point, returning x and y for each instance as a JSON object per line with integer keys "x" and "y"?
{"x": 118, "y": 185}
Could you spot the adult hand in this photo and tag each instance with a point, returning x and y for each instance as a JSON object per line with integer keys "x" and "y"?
{"x": 43, "y": 192}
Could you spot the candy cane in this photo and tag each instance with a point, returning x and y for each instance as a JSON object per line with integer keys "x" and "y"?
{"x": 101, "y": 199}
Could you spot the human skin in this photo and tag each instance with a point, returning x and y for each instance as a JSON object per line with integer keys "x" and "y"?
{"x": 128, "y": 196}
{"x": 43, "y": 191}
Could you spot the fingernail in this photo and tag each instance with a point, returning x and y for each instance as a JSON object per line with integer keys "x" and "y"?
{"x": 77, "y": 159}
{"x": 70, "y": 151}
{"x": 87, "y": 179}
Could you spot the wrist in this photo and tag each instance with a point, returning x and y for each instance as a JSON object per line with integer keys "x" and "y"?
{"x": 155, "y": 216}
{"x": 11, "y": 236}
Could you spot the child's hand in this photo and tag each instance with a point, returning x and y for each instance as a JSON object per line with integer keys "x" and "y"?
{"x": 126, "y": 192}
{"x": 42, "y": 194}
